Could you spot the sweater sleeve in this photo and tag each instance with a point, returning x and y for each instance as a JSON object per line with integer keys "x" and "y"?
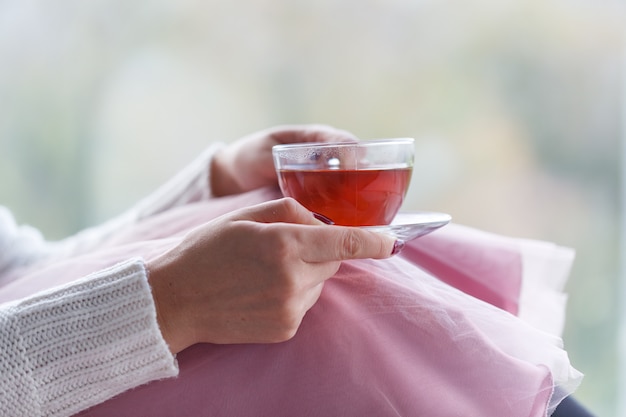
{"x": 189, "y": 185}
{"x": 19, "y": 245}
{"x": 67, "y": 349}
{"x": 23, "y": 245}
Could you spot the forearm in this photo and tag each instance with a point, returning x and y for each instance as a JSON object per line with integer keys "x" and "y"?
{"x": 23, "y": 245}
{"x": 75, "y": 346}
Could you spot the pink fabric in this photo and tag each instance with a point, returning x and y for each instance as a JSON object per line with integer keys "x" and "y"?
{"x": 370, "y": 347}
{"x": 483, "y": 265}
{"x": 386, "y": 338}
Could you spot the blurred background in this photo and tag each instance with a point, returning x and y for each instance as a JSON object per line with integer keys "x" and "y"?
{"x": 517, "y": 108}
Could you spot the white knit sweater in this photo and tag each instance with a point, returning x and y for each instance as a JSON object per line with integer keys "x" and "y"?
{"x": 69, "y": 348}
{"x": 77, "y": 345}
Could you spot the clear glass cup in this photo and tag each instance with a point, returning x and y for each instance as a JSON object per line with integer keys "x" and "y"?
{"x": 360, "y": 183}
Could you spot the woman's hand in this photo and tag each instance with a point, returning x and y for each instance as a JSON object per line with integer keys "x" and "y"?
{"x": 251, "y": 275}
{"x": 247, "y": 163}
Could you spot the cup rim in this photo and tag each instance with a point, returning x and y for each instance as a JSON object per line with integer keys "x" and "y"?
{"x": 359, "y": 143}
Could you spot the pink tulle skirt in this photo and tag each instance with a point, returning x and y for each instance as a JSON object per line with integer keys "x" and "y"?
{"x": 461, "y": 323}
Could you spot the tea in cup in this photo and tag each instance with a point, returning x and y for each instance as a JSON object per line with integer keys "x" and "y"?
{"x": 360, "y": 183}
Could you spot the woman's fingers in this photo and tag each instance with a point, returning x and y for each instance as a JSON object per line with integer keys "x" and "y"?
{"x": 338, "y": 243}
{"x": 247, "y": 163}
{"x": 284, "y": 210}
{"x": 318, "y": 242}
{"x": 311, "y": 133}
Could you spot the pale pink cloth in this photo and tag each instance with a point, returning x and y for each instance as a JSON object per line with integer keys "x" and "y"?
{"x": 386, "y": 338}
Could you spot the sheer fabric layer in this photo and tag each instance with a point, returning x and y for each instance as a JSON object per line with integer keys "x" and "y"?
{"x": 395, "y": 337}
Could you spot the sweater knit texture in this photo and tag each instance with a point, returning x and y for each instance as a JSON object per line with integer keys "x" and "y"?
{"x": 74, "y": 346}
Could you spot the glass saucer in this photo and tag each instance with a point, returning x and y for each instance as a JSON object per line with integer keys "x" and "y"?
{"x": 411, "y": 225}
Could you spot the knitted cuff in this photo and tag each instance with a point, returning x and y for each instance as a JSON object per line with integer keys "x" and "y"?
{"x": 85, "y": 342}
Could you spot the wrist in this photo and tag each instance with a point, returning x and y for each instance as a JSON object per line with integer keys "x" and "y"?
{"x": 163, "y": 295}
{"x": 222, "y": 180}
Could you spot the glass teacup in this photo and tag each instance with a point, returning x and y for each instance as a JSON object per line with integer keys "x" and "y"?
{"x": 351, "y": 183}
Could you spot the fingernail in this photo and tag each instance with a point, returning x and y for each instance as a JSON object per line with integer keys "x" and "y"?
{"x": 398, "y": 245}
{"x": 323, "y": 218}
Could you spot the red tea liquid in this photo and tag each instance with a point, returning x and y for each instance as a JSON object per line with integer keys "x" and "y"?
{"x": 349, "y": 197}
